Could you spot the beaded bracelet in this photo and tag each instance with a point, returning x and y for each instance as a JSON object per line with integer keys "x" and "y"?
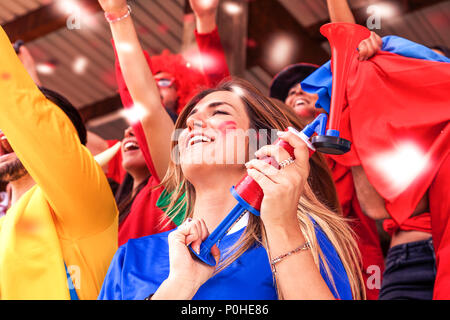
{"x": 303, "y": 247}
{"x": 111, "y": 18}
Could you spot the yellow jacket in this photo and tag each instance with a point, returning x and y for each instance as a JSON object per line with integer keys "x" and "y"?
{"x": 69, "y": 216}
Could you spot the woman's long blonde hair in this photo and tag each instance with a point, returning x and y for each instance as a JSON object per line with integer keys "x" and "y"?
{"x": 266, "y": 114}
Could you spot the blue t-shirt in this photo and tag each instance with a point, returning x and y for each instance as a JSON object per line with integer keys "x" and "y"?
{"x": 140, "y": 266}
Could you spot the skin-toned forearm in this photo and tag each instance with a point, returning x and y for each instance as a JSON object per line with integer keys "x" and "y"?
{"x": 297, "y": 276}
{"x": 340, "y": 11}
{"x": 372, "y": 204}
{"x": 137, "y": 75}
{"x": 206, "y": 24}
{"x": 205, "y": 14}
{"x": 156, "y": 122}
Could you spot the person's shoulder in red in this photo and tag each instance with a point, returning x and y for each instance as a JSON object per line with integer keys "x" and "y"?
{"x": 145, "y": 217}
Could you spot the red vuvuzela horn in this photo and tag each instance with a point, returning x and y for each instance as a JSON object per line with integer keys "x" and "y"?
{"x": 344, "y": 39}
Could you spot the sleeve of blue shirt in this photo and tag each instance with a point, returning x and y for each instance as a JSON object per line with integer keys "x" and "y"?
{"x": 320, "y": 82}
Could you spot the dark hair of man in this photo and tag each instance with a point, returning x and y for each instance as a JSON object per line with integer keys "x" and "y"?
{"x": 69, "y": 110}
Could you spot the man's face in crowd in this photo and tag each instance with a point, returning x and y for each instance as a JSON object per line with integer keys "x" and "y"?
{"x": 11, "y": 168}
{"x": 167, "y": 90}
{"x": 302, "y": 102}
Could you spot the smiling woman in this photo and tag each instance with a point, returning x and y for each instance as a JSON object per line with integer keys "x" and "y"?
{"x": 212, "y": 129}
{"x": 199, "y": 167}
{"x": 291, "y": 216}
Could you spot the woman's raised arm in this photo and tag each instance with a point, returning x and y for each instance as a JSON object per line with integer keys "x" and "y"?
{"x": 339, "y": 11}
{"x": 157, "y": 124}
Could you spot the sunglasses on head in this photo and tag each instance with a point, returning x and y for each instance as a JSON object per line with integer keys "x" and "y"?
{"x": 165, "y": 83}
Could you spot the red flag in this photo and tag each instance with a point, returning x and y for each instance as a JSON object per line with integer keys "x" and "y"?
{"x": 397, "y": 118}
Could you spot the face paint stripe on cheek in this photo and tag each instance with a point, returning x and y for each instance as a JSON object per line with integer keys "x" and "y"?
{"x": 227, "y": 125}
